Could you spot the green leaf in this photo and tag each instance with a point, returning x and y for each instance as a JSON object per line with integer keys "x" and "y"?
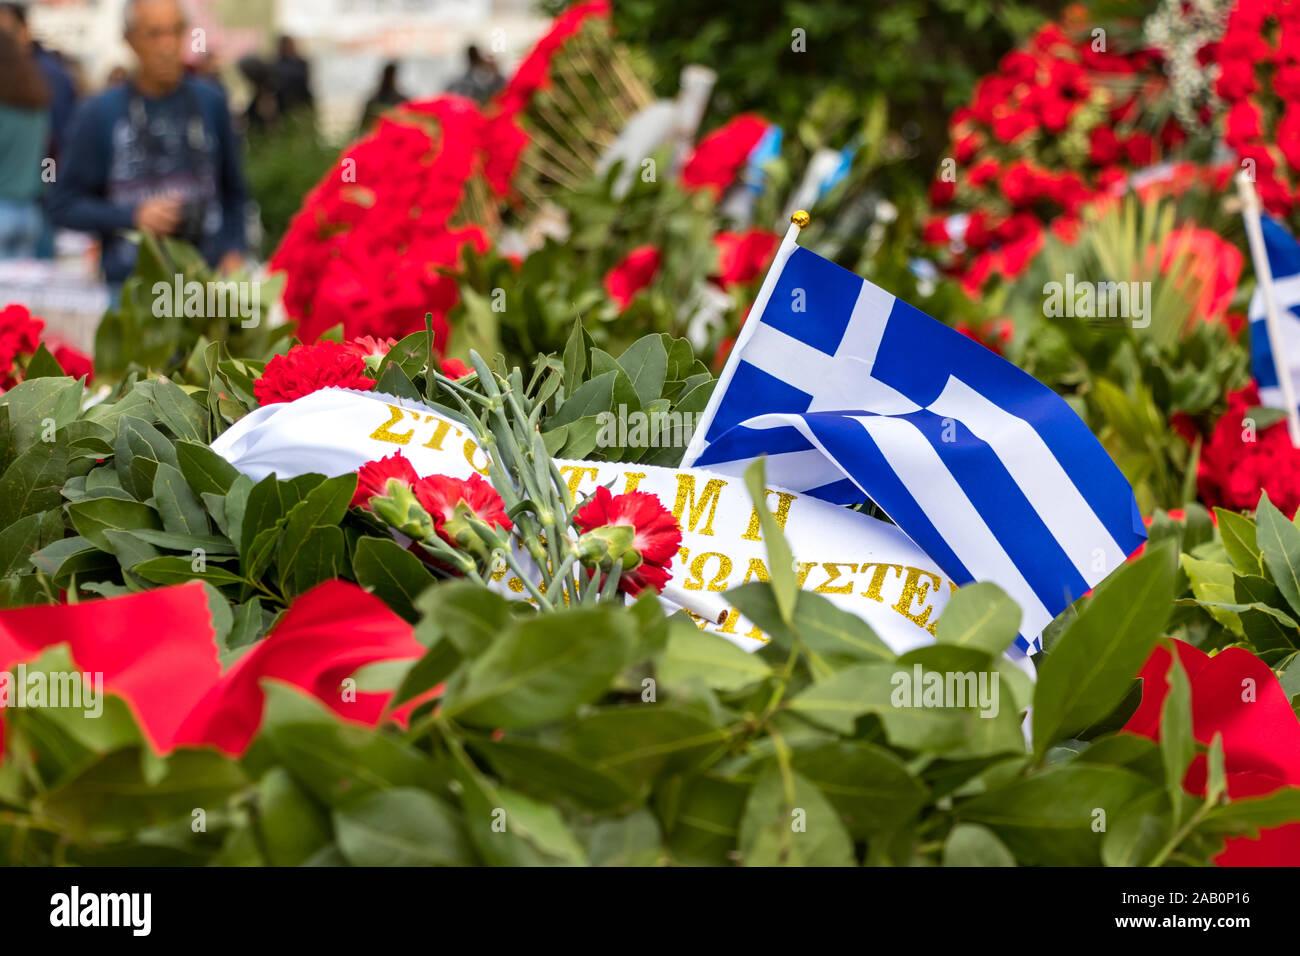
{"x": 633, "y": 840}
{"x": 699, "y": 655}
{"x": 1212, "y": 584}
{"x": 468, "y": 616}
{"x": 554, "y": 774}
{"x": 780, "y": 559}
{"x": 175, "y": 569}
{"x": 980, "y": 615}
{"x": 307, "y": 539}
{"x": 185, "y": 417}
{"x": 543, "y": 668}
{"x": 32, "y": 483}
{"x": 291, "y": 825}
{"x": 181, "y": 512}
{"x": 1135, "y": 834}
{"x": 400, "y": 827}
{"x": 264, "y": 508}
{"x": 205, "y": 470}
{"x": 335, "y": 761}
{"x": 383, "y": 566}
{"x": 42, "y": 365}
{"x": 646, "y": 363}
{"x": 19, "y": 543}
{"x": 32, "y": 406}
{"x": 322, "y": 558}
{"x": 1177, "y": 745}
{"x": 1092, "y": 665}
{"x": 510, "y": 829}
{"x": 789, "y": 822}
{"x": 970, "y": 844}
{"x": 1054, "y": 818}
{"x": 870, "y": 787}
{"x": 591, "y": 398}
{"x": 1279, "y": 543}
{"x": 93, "y": 516}
{"x": 1238, "y": 536}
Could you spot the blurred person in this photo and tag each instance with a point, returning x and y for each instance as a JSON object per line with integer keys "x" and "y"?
{"x": 385, "y": 97}
{"x": 117, "y": 76}
{"x": 58, "y": 75}
{"x": 291, "y": 78}
{"x": 157, "y": 154}
{"x": 263, "y": 111}
{"x": 481, "y": 78}
{"x": 24, "y": 131}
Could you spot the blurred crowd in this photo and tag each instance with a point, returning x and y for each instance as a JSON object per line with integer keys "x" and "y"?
{"x": 158, "y": 148}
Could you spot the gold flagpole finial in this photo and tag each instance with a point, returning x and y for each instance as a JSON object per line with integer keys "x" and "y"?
{"x": 800, "y": 218}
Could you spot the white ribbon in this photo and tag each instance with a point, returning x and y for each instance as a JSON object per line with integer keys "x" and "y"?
{"x": 864, "y": 565}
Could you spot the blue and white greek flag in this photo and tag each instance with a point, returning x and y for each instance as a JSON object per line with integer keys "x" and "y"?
{"x": 854, "y": 395}
{"x": 1284, "y": 263}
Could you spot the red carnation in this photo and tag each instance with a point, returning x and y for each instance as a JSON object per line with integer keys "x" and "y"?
{"x": 1259, "y": 731}
{"x": 450, "y": 500}
{"x": 309, "y": 368}
{"x": 636, "y": 271}
{"x": 373, "y": 478}
{"x": 656, "y": 535}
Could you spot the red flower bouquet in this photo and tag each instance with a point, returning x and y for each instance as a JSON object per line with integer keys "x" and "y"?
{"x": 1238, "y": 461}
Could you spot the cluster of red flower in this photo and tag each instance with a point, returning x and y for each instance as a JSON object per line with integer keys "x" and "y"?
{"x": 1053, "y": 129}
{"x": 371, "y": 244}
{"x": 1258, "y": 58}
{"x": 373, "y": 248}
{"x": 20, "y": 336}
{"x": 1239, "y": 460}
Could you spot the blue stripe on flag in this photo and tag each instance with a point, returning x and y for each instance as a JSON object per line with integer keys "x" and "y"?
{"x": 754, "y": 392}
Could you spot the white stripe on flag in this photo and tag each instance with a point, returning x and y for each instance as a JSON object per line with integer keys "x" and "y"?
{"x": 785, "y": 358}
{"x": 796, "y": 470}
{"x": 1286, "y": 291}
{"x": 940, "y": 496}
{"x": 1042, "y": 480}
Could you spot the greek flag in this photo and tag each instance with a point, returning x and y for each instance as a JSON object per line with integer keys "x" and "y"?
{"x": 1284, "y": 263}
{"x": 854, "y": 395}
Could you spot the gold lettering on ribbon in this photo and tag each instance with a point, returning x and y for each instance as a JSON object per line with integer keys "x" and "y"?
{"x": 633, "y": 481}
{"x": 914, "y": 589}
{"x": 578, "y": 473}
{"x": 382, "y": 433}
{"x": 833, "y": 574}
{"x": 470, "y": 449}
{"x": 757, "y": 570}
{"x": 878, "y": 579}
{"x": 686, "y": 496}
{"x": 782, "y": 512}
{"x": 439, "y": 433}
{"x": 719, "y": 582}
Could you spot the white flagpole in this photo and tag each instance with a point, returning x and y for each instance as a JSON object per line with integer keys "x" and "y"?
{"x": 1250, "y": 211}
{"x": 798, "y": 220}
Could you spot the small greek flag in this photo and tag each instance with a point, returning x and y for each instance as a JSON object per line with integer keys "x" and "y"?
{"x": 1284, "y": 264}
{"x": 854, "y": 395}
